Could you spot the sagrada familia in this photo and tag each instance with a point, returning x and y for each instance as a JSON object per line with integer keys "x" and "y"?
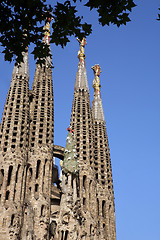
{"x": 35, "y": 203}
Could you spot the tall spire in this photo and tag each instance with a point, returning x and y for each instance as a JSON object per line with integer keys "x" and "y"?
{"x": 81, "y": 76}
{"x": 38, "y": 180}
{"x": 97, "y": 108}
{"x": 81, "y": 119}
{"x": 103, "y": 169}
{"x": 41, "y": 110}
{"x": 14, "y": 151}
{"x": 82, "y": 123}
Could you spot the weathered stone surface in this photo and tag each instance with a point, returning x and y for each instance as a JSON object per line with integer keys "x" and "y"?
{"x": 34, "y": 203}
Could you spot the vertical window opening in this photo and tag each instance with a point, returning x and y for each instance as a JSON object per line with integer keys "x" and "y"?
{"x": 36, "y": 188}
{"x": 90, "y": 189}
{"x": 103, "y": 208}
{"x": 91, "y": 229}
{"x": 30, "y": 174}
{"x": 62, "y": 235}
{"x": 84, "y": 182}
{"x": 98, "y": 206}
{"x": 84, "y": 202}
{"x": 38, "y": 168}
{"x": 12, "y": 219}
{"x": 72, "y": 181}
{"x": 96, "y": 175}
{"x": 1, "y": 177}
{"x": 9, "y": 175}
{"x": 104, "y": 227}
{"x": 66, "y": 235}
{"x": 7, "y": 195}
{"x": 42, "y": 211}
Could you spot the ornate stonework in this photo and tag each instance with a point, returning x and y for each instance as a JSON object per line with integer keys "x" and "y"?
{"x": 35, "y": 204}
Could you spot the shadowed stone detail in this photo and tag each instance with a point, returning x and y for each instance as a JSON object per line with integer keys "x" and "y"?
{"x": 58, "y": 152}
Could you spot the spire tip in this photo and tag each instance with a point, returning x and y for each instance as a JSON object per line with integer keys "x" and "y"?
{"x": 81, "y": 52}
{"x": 96, "y": 82}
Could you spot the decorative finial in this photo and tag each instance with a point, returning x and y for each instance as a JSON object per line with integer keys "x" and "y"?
{"x": 81, "y": 52}
{"x": 70, "y": 130}
{"x": 47, "y": 31}
{"x": 96, "y": 82}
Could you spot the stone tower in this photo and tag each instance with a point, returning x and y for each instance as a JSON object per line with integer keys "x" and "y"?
{"x": 104, "y": 182}
{"x": 14, "y": 131}
{"x": 36, "y": 204}
{"x": 40, "y": 155}
{"x": 82, "y": 123}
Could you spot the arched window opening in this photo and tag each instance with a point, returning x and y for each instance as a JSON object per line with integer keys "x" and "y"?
{"x": 9, "y": 175}
{"x": 38, "y": 168}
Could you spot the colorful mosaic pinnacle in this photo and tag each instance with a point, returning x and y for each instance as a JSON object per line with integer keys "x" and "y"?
{"x": 70, "y": 164}
{"x": 47, "y": 31}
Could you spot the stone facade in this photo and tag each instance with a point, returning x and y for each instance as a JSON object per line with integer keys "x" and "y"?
{"x": 35, "y": 204}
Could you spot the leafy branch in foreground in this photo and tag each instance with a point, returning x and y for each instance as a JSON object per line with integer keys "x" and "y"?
{"x": 21, "y": 23}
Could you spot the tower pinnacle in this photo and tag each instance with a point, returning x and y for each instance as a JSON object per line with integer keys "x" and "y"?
{"x": 105, "y": 193}
{"x": 81, "y": 76}
{"x": 96, "y": 82}
{"x": 47, "y": 31}
{"x": 81, "y": 52}
{"x": 97, "y": 108}
{"x": 22, "y": 69}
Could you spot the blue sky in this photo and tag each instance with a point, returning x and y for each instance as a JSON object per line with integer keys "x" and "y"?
{"x": 129, "y": 57}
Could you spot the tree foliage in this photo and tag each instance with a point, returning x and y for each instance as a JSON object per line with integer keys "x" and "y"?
{"x": 158, "y": 15}
{"x": 21, "y": 23}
